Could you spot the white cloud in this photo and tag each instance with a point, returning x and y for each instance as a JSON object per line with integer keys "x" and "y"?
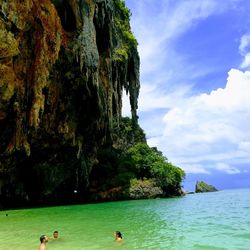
{"x": 244, "y": 43}
{"x": 245, "y": 146}
{"x": 195, "y": 169}
{"x": 243, "y": 50}
{"x": 246, "y": 61}
{"x": 202, "y": 128}
{"x": 152, "y": 98}
{"x": 126, "y": 108}
{"x": 155, "y": 32}
{"x": 157, "y": 29}
{"x": 210, "y": 127}
{"x": 234, "y": 96}
{"x": 227, "y": 168}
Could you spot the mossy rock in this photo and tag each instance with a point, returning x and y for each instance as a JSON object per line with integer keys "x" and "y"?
{"x": 202, "y": 187}
{"x": 146, "y": 188}
{"x": 8, "y": 45}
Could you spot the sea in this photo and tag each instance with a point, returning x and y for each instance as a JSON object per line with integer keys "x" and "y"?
{"x": 218, "y": 220}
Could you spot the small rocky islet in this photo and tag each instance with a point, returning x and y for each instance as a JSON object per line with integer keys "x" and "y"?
{"x": 202, "y": 187}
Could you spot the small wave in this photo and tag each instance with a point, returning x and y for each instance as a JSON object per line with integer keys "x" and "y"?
{"x": 207, "y": 247}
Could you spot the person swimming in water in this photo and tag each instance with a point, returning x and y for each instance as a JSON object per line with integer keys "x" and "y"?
{"x": 55, "y": 236}
{"x": 43, "y": 240}
{"x": 118, "y": 236}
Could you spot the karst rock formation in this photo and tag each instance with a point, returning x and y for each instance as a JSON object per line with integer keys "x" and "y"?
{"x": 64, "y": 65}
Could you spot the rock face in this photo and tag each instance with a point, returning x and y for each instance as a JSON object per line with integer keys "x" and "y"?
{"x": 202, "y": 187}
{"x": 63, "y": 67}
{"x": 141, "y": 189}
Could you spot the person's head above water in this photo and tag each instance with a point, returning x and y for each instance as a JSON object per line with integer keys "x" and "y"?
{"x": 43, "y": 239}
{"x": 56, "y": 235}
{"x": 118, "y": 235}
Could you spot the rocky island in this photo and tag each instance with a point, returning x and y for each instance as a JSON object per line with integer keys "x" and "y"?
{"x": 202, "y": 187}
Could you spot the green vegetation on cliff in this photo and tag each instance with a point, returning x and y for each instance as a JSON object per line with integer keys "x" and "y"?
{"x": 150, "y": 163}
{"x": 122, "y": 24}
{"x": 140, "y": 171}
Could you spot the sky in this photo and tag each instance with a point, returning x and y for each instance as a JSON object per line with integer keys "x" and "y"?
{"x": 194, "y": 102}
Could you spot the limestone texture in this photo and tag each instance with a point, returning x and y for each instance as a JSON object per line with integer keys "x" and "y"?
{"x": 64, "y": 65}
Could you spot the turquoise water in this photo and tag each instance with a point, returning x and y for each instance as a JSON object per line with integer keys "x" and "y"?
{"x": 219, "y": 220}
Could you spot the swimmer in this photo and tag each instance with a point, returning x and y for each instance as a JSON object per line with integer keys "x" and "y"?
{"x": 43, "y": 240}
{"x": 55, "y": 235}
{"x": 118, "y": 236}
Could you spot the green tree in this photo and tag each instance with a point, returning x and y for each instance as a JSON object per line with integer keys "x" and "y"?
{"x": 130, "y": 158}
{"x": 150, "y": 163}
{"x": 126, "y": 134}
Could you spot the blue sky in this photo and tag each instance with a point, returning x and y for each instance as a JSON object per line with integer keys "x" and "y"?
{"x": 194, "y": 102}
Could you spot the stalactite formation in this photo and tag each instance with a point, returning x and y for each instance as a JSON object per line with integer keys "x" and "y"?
{"x": 63, "y": 67}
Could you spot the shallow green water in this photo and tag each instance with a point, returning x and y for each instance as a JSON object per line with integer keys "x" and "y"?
{"x": 218, "y": 220}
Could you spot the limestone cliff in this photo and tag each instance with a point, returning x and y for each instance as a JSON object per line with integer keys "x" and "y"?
{"x": 63, "y": 67}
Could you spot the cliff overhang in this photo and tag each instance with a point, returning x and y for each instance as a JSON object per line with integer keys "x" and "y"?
{"x": 64, "y": 65}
